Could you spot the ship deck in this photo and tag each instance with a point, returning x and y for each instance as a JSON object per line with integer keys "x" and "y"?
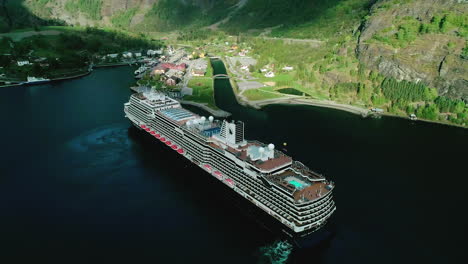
{"x": 279, "y": 160}
{"x": 299, "y": 186}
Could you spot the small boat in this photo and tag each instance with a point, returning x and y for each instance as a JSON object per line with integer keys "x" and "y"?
{"x": 36, "y": 80}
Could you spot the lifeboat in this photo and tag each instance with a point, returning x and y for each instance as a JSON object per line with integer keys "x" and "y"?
{"x": 157, "y": 136}
{"x": 153, "y": 133}
{"x": 174, "y": 147}
{"x": 218, "y": 174}
{"x": 168, "y": 143}
{"x": 230, "y": 182}
{"x": 163, "y": 139}
{"x": 180, "y": 151}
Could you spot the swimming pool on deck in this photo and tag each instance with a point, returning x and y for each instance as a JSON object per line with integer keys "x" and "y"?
{"x": 297, "y": 183}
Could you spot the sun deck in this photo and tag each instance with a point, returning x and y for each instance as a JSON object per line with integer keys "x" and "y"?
{"x": 279, "y": 159}
{"x": 155, "y": 100}
{"x": 301, "y": 187}
{"x": 179, "y": 115}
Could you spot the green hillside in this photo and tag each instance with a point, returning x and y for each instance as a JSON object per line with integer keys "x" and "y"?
{"x": 405, "y": 56}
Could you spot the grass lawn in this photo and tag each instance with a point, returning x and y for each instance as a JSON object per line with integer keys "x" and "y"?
{"x": 203, "y": 91}
{"x": 280, "y": 77}
{"x": 262, "y": 94}
{"x": 209, "y": 69}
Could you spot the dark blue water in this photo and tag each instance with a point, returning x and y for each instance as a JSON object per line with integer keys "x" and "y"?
{"x": 77, "y": 183}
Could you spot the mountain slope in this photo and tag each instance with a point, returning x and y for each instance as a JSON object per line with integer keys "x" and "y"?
{"x": 413, "y": 40}
{"x": 419, "y": 40}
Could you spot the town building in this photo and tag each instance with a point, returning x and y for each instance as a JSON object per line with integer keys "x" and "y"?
{"x": 23, "y": 63}
{"x": 270, "y": 74}
{"x": 198, "y": 72}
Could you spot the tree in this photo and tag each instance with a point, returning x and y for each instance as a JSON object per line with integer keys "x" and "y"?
{"x": 410, "y": 109}
{"x": 430, "y": 111}
{"x": 37, "y": 70}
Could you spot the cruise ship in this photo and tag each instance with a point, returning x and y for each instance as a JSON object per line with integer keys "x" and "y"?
{"x": 296, "y": 199}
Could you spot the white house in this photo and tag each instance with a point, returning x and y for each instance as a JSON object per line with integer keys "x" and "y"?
{"x": 138, "y": 54}
{"x": 127, "y": 55}
{"x": 245, "y": 68}
{"x": 288, "y": 68}
{"x": 22, "y": 63}
{"x": 113, "y": 56}
{"x": 270, "y": 74}
{"x": 263, "y": 70}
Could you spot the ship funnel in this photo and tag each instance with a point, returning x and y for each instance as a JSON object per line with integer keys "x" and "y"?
{"x": 271, "y": 146}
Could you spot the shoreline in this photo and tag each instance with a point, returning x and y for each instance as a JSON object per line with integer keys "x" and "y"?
{"x": 312, "y": 102}
{"x": 329, "y": 104}
{"x": 69, "y": 77}
{"x": 214, "y": 112}
{"x": 319, "y": 103}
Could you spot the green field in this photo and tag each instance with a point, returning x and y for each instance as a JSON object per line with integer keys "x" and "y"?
{"x": 262, "y": 94}
{"x": 203, "y": 91}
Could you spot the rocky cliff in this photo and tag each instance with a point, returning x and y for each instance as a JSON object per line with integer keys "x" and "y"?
{"x": 419, "y": 40}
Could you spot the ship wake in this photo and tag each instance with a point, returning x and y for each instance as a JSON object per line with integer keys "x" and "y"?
{"x": 276, "y": 253}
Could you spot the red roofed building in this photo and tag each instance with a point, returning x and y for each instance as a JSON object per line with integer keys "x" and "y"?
{"x": 180, "y": 67}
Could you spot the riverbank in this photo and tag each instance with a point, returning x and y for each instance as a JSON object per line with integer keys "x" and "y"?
{"x": 71, "y": 77}
{"x": 301, "y": 101}
{"x": 215, "y": 112}
{"x": 298, "y": 100}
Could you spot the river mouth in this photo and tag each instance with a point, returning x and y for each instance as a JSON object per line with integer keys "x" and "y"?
{"x": 77, "y": 179}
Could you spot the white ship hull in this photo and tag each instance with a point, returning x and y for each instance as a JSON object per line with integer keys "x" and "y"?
{"x": 297, "y": 218}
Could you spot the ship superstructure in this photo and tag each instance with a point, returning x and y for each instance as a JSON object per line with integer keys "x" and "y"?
{"x": 287, "y": 190}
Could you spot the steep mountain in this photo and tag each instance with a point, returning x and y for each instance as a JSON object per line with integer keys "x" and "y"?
{"x": 419, "y": 40}
{"x": 135, "y": 14}
{"x": 413, "y": 40}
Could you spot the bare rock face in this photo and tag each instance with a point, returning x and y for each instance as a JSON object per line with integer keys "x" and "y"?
{"x": 433, "y": 59}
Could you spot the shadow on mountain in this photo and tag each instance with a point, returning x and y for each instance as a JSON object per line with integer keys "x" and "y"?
{"x": 14, "y": 15}
{"x": 294, "y": 13}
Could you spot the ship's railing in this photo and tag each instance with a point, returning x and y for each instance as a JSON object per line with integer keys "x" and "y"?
{"x": 302, "y": 169}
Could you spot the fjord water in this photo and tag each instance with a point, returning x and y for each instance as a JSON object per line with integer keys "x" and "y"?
{"x": 78, "y": 183}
